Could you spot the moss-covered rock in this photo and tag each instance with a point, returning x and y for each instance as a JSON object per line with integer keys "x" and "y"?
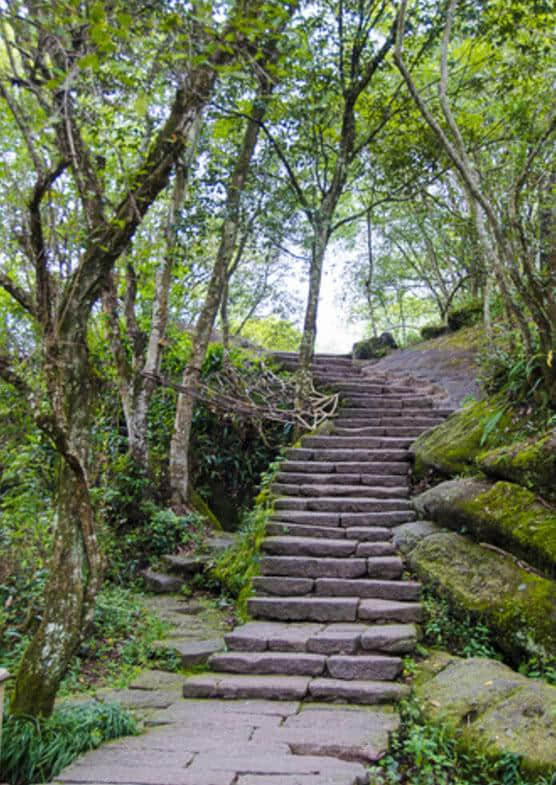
{"x": 517, "y": 605}
{"x": 373, "y": 348}
{"x": 432, "y": 331}
{"x": 407, "y": 536}
{"x": 504, "y": 514}
{"x": 466, "y": 315}
{"x": 531, "y": 463}
{"x": 199, "y": 505}
{"x": 451, "y": 448}
{"x": 495, "y": 709}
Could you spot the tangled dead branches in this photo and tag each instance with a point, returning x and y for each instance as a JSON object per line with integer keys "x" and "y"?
{"x": 255, "y": 391}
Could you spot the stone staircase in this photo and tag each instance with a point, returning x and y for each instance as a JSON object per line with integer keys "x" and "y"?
{"x": 333, "y": 613}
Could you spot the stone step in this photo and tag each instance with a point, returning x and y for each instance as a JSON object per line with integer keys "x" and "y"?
{"x": 371, "y": 566}
{"x": 388, "y": 402}
{"x": 352, "y": 491}
{"x": 314, "y": 567}
{"x": 281, "y": 586}
{"x": 252, "y": 686}
{"x": 357, "y": 691}
{"x": 354, "y": 455}
{"x": 354, "y": 412}
{"x": 283, "y": 528}
{"x": 356, "y": 442}
{"x": 336, "y": 638}
{"x": 389, "y": 610}
{"x": 393, "y": 638}
{"x": 346, "y": 467}
{"x": 359, "y": 667}
{"x": 334, "y": 504}
{"x": 305, "y": 478}
{"x": 309, "y": 546}
{"x": 305, "y": 608}
{"x": 410, "y": 432}
{"x": 355, "y": 423}
{"x": 338, "y": 666}
{"x": 286, "y": 663}
{"x": 355, "y": 519}
{"x": 362, "y": 387}
{"x": 368, "y": 589}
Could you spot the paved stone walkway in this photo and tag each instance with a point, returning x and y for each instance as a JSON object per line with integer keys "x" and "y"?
{"x": 333, "y": 616}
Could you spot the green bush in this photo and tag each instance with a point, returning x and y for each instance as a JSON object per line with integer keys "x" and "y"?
{"x": 36, "y": 750}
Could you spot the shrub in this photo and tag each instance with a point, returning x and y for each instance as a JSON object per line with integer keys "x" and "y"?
{"x": 36, "y": 750}
{"x": 433, "y": 331}
{"x": 466, "y": 315}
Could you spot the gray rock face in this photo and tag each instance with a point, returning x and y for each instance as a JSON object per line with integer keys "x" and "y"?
{"x": 407, "y": 536}
{"x": 494, "y": 708}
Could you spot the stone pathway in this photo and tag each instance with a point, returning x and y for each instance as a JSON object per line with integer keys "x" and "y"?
{"x": 333, "y": 617}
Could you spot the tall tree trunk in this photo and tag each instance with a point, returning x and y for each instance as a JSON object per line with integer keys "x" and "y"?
{"x": 74, "y": 574}
{"x": 179, "y": 445}
{"x": 304, "y": 379}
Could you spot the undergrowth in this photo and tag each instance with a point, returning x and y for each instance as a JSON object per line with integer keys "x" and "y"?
{"x": 236, "y": 567}
{"x": 37, "y": 749}
{"x": 422, "y": 752}
{"x": 464, "y": 635}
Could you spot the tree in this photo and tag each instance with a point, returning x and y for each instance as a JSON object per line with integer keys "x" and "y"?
{"x": 83, "y": 187}
{"x": 520, "y": 161}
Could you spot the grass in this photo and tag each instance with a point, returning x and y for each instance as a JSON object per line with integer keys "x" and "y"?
{"x": 36, "y": 750}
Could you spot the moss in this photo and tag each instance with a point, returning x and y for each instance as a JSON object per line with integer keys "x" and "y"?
{"x": 510, "y": 516}
{"x": 530, "y": 463}
{"x": 504, "y": 514}
{"x": 200, "y": 506}
{"x": 467, "y": 339}
{"x": 519, "y": 607}
{"x": 451, "y": 447}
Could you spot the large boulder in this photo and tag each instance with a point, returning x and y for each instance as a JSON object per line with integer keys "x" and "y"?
{"x": 374, "y": 348}
{"x": 531, "y": 464}
{"x": 407, "y": 536}
{"x": 504, "y": 514}
{"x": 494, "y": 709}
{"x": 516, "y": 604}
{"x": 451, "y": 448}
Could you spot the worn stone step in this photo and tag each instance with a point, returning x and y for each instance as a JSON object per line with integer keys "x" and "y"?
{"x": 392, "y": 638}
{"x": 374, "y": 667}
{"x": 388, "y": 402}
{"x": 362, "y": 387}
{"x": 314, "y": 567}
{"x": 304, "y": 608}
{"x": 353, "y": 412}
{"x": 352, "y": 491}
{"x": 308, "y": 546}
{"x": 389, "y": 610}
{"x": 345, "y": 504}
{"x": 410, "y": 432}
{"x": 368, "y": 588}
{"x": 345, "y": 519}
{"x": 283, "y": 528}
{"x": 282, "y": 586}
{"x": 357, "y": 691}
{"x": 347, "y": 455}
{"x": 386, "y": 567}
{"x": 286, "y": 663}
{"x": 276, "y": 636}
{"x": 356, "y": 442}
{"x": 346, "y": 467}
{"x": 213, "y": 685}
{"x": 399, "y": 421}
{"x": 382, "y": 480}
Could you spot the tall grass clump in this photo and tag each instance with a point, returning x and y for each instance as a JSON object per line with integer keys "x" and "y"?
{"x": 37, "y": 749}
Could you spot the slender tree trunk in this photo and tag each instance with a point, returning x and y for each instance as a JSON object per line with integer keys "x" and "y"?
{"x": 304, "y": 378}
{"x": 179, "y": 445}
{"x": 370, "y": 274}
